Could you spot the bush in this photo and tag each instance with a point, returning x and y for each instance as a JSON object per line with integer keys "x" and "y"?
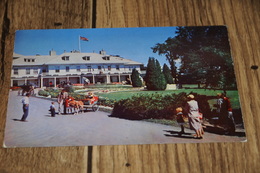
{"x": 146, "y": 106}
{"x": 43, "y": 93}
{"x": 77, "y": 96}
{"x": 106, "y": 102}
{"x": 136, "y": 78}
{"x": 69, "y": 88}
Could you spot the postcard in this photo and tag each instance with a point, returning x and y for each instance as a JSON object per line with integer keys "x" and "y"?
{"x": 122, "y": 86}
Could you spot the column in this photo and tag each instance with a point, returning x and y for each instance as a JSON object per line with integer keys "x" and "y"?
{"x": 119, "y": 77}
{"x": 93, "y": 79}
{"x": 55, "y": 82}
{"x": 108, "y": 78}
{"x": 41, "y": 82}
{"x": 12, "y": 82}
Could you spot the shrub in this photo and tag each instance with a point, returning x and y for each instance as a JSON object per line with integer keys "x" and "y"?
{"x": 69, "y": 88}
{"x": 106, "y": 102}
{"x": 43, "y": 93}
{"x": 136, "y": 78}
{"x": 146, "y": 106}
{"x": 77, "y": 96}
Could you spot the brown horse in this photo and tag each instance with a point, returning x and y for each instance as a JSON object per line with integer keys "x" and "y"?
{"x": 77, "y": 105}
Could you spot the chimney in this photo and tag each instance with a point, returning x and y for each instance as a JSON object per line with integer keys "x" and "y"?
{"x": 102, "y": 52}
{"x": 52, "y": 52}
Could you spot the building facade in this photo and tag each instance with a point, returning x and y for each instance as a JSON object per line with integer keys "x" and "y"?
{"x": 73, "y": 67}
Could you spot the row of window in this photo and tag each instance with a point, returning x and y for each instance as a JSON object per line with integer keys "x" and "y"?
{"x": 86, "y": 58}
{"x": 89, "y": 68}
{"x": 29, "y": 60}
{"x": 78, "y": 69}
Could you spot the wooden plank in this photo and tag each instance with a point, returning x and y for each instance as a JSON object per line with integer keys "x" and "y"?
{"x": 243, "y": 21}
{"x": 37, "y": 14}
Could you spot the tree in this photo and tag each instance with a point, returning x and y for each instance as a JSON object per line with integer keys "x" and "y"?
{"x": 167, "y": 74}
{"x": 204, "y": 53}
{"x": 168, "y": 48}
{"x": 136, "y": 78}
{"x": 154, "y": 77}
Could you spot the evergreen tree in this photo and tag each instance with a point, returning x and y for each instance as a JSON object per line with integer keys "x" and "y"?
{"x": 136, "y": 78}
{"x": 167, "y": 74}
{"x": 154, "y": 77}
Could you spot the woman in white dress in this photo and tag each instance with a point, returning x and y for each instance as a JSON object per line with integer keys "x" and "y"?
{"x": 192, "y": 109}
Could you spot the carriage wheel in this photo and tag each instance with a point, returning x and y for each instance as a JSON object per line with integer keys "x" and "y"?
{"x": 95, "y": 107}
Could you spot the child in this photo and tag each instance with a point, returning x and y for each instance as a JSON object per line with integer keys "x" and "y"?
{"x": 180, "y": 119}
{"x": 52, "y": 109}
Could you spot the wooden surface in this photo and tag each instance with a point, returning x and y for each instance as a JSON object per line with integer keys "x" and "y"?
{"x": 243, "y": 20}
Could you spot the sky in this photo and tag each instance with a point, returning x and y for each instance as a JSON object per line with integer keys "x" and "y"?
{"x": 130, "y": 43}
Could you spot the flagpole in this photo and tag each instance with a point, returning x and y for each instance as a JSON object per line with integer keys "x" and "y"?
{"x": 79, "y": 45}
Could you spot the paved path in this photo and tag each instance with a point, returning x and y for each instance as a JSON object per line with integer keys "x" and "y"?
{"x": 89, "y": 128}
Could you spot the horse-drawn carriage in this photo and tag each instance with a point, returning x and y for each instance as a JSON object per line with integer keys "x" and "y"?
{"x": 83, "y": 104}
{"x": 91, "y": 103}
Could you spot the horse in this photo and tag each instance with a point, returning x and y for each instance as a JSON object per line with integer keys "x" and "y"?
{"x": 77, "y": 105}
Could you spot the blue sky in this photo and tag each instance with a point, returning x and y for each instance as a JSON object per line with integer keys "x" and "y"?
{"x": 130, "y": 43}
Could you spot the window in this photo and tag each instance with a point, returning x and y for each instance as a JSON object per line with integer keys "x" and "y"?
{"x": 99, "y": 67}
{"x": 89, "y": 68}
{"x": 16, "y": 71}
{"x": 35, "y": 71}
{"x": 57, "y": 69}
{"x": 109, "y": 68}
{"x": 65, "y": 58}
{"x": 44, "y": 69}
{"x": 78, "y": 68}
{"x": 117, "y": 67}
{"x": 86, "y": 58}
{"x": 28, "y": 71}
{"x": 106, "y": 58}
{"x": 67, "y": 68}
{"x": 29, "y": 60}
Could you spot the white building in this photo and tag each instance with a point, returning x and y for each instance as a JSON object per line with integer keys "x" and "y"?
{"x": 73, "y": 67}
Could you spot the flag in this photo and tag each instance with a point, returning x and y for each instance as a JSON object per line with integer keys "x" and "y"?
{"x": 83, "y": 38}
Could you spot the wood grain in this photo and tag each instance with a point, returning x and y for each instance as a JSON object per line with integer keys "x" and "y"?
{"x": 37, "y": 14}
{"x": 243, "y": 20}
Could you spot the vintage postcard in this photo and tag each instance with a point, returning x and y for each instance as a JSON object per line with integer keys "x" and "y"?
{"x": 121, "y": 86}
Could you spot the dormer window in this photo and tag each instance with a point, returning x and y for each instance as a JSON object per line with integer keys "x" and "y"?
{"x": 86, "y": 58}
{"x": 65, "y": 58}
{"x": 107, "y": 58}
{"x": 29, "y": 60}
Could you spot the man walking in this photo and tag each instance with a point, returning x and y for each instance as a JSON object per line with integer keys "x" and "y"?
{"x": 61, "y": 101}
{"x": 224, "y": 111}
{"x": 25, "y": 102}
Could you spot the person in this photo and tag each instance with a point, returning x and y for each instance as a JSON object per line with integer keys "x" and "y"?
{"x": 224, "y": 111}
{"x": 52, "y": 109}
{"x": 89, "y": 98}
{"x": 25, "y": 102}
{"x": 61, "y": 101}
{"x": 192, "y": 109}
{"x": 180, "y": 119}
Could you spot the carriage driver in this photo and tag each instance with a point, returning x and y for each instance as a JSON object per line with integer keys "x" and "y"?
{"x": 61, "y": 101}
